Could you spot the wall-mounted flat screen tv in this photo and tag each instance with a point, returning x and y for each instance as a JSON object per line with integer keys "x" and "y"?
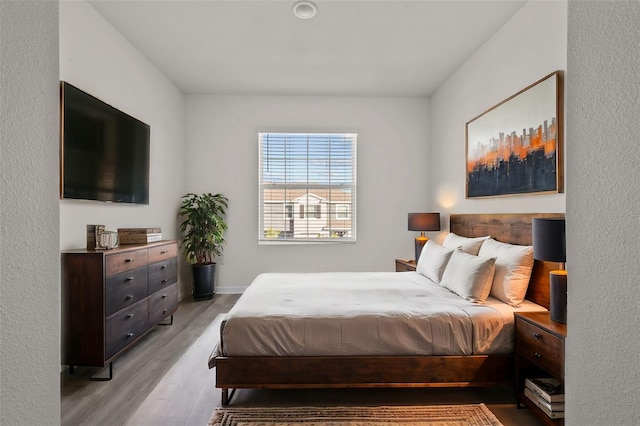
{"x": 104, "y": 152}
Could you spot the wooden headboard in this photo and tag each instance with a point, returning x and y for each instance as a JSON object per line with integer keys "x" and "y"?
{"x": 512, "y": 228}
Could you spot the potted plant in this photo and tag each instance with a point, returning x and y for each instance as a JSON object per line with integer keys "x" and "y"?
{"x": 203, "y": 227}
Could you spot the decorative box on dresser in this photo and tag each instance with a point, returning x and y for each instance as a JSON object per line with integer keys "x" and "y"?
{"x": 539, "y": 352}
{"x": 111, "y": 298}
{"x": 405, "y": 265}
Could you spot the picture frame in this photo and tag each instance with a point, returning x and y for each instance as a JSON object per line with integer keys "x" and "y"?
{"x": 516, "y": 146}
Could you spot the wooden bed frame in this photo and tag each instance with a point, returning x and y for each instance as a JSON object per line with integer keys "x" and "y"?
{"x": 395, "y": 371}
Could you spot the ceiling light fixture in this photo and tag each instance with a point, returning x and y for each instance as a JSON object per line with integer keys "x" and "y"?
{"x": 305, "y": 9}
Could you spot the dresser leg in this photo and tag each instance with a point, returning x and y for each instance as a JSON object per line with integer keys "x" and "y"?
{"x": 169, "y": 323}
{"x": 105, "y": 379}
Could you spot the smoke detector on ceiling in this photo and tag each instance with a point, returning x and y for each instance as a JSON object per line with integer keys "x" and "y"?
{"x": 305, "y": 9}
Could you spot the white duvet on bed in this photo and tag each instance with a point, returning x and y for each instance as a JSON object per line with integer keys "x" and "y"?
{"x": 363, "y": 313}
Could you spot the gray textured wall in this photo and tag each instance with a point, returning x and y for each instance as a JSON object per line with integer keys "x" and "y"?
{"x": 603, "y": 206}
{"x": 29, "y": 236}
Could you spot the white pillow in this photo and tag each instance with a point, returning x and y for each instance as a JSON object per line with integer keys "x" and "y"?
{"x": 469, "y": 276}
{"x": 513, "y": 270}
{"x": 468, "y": 245}
{"x": 433, "y": 261}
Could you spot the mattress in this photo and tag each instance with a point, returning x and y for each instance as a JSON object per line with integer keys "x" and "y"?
{"x": 363, "y": 313}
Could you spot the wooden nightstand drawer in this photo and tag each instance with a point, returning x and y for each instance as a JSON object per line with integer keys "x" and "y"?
{"x": 540, "y": 347}
{"x": 405, "y": 265}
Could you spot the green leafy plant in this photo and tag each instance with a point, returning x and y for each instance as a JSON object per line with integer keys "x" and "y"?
{"x": 203, "y": 226}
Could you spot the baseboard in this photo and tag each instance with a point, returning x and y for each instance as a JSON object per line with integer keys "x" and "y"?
{"x": 230, "y": 289}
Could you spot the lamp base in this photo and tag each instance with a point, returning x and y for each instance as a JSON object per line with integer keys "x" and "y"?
{"x": 558, "y": 290}
{"x": 420, "y": 242}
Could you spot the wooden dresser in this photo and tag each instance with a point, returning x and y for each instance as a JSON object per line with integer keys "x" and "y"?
{"x": 111, "y": 298}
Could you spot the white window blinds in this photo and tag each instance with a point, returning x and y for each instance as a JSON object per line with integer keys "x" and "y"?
{"x": 307, "y": 187}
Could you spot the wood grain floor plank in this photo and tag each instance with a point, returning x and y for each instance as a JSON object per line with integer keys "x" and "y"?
{"x": 138, "y": 371}
{"x": 189, "y": 377}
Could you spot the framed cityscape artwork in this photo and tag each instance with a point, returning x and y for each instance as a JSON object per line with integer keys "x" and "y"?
{"x": 515, "y": 147}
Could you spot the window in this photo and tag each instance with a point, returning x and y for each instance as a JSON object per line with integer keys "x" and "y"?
{"x": 312, "y": 212}
{"x": 307, "y": 187}
{"x": 342, "y": 211}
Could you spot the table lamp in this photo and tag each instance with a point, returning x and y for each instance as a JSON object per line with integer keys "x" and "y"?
{"x": 423, "y": 222}
{"x": 549, "y": 244}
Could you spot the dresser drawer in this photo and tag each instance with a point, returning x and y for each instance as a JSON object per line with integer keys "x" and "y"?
{"x": 160, "y": 253}
{"x": 126, "y": 261}
{"x": 162, "y": 274}
{"x": 163, "y": 303}
{"x": 540, "y": 347}
{"x": 125, "y": 326}
{"x": 126, "y": 288}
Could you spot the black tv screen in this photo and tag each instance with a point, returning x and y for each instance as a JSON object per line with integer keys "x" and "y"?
{"x": 104, "y": 152}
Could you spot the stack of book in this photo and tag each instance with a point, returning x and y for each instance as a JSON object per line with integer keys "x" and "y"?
{"x": 548, "y": 394}
{"x": 139, "y": 235}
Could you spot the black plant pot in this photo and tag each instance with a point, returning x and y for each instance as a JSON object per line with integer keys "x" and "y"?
{"x": 204, "y": 277}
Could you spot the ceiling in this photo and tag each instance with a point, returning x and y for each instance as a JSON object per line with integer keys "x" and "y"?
{"x": 351, "y": 47}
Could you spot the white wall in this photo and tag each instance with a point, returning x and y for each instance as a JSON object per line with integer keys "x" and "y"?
{"x": 96, "y": 58}
{"x": 29, "y": 256}
{"x": 528, "y": 47}
{"x": 603, "y": 213}
{"x": 222, "y": 156}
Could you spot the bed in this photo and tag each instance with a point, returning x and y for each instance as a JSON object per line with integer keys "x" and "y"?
{"x": 274, "y": 360}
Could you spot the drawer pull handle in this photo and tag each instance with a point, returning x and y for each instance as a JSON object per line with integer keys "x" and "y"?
{"x": 163, "y": 252}
{"x": 164, "y": 266}
{"x": 537, "y": 355}
{"x": 131, "y": 259}
{"x": 130, "y": 316}
{"x": 164, "y": 295}
{"x": 129, "y": 334}
{"x": 164, "y": 312}
{"x": 537, "y": 335}
{"x": 165, "y": 280}
{"x": 130, "y": 296}
{"x": 131, "y": 278}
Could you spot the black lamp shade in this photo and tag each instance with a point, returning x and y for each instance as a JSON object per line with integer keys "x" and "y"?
{"x": 549, "y": 242}
{"x": 424, "y": 221}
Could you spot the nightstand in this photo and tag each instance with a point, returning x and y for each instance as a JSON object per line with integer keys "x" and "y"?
{"x": 539, "y": 352}
{"x": 405, "y": 265}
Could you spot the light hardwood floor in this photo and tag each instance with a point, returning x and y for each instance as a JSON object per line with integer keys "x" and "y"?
{"x": 138, "y": 371}
{"x": 163, "y": 380}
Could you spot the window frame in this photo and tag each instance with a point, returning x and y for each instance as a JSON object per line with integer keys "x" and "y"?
{"x": 321, "y": 209}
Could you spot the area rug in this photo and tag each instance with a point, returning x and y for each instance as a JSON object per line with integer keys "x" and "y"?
{"x": 434, "y": 415}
